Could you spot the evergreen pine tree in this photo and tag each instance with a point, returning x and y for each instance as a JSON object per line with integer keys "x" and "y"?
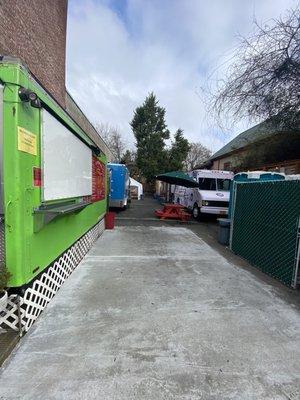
{"x": 178, "y": 151}
{"x": 150, "y": 131}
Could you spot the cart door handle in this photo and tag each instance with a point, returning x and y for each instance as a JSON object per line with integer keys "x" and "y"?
{"x": 6, "y": 217}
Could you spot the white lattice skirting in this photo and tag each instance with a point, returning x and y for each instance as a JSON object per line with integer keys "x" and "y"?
{"x": 44, "y": 288}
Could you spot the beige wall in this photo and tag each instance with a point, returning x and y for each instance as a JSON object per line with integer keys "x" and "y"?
{"x": 288, "y": 167}
{"x": 219, "y": 164}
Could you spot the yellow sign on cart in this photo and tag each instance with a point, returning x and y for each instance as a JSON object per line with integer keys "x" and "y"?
{"x": 27, "y": 141}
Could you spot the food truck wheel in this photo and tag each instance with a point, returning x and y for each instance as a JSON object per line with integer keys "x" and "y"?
{"x": 196, "y": 211}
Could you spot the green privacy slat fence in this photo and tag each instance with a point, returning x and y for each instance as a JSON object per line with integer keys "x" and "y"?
{"x": 265, "y": 227}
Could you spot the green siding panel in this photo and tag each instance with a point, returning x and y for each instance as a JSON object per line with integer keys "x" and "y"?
{"x": 28, "y": 250}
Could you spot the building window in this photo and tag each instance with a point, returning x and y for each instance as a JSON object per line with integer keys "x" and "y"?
{"x": 227, "y": 166}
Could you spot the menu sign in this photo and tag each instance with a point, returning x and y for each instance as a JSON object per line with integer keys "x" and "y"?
{"x": 98, "y": 180}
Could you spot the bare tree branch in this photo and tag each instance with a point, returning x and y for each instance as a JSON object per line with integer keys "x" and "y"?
{"x": 197, "y": 155}
{"x": 264, "y": 80}
{"x": 113, "y": 138}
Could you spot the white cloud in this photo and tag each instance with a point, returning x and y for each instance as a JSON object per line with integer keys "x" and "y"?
{"x": 114, "y": 59}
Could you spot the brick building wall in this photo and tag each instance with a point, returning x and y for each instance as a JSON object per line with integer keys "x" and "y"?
{"x": 35, "y": 32}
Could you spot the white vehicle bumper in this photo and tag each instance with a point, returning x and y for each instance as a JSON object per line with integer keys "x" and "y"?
{"x": 117, "y": 203}
{"x": 214, "y": 210}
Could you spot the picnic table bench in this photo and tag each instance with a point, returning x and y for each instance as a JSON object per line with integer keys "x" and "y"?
{"x": 173, "y": 211}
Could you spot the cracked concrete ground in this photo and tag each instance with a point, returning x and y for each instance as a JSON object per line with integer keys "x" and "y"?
{"x": 156, "y": 313}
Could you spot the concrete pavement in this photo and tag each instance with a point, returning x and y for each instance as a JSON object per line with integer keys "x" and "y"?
{"x": 153, "y": 312}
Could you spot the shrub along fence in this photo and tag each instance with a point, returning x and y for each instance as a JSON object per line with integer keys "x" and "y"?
{"x": 265, "y": 227}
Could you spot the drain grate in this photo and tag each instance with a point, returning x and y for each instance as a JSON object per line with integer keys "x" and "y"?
{"x": 8, "y": 340}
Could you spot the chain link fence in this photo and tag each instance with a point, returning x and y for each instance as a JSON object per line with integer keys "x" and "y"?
{"x": 265, "y": 227}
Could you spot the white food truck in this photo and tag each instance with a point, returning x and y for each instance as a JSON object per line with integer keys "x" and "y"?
{"x": 212, "y": 196}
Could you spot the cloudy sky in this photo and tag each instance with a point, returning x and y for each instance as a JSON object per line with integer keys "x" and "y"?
{"x": 120, "y": 50}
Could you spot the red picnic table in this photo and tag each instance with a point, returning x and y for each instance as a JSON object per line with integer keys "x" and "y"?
{"x": 174, "y": 211}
